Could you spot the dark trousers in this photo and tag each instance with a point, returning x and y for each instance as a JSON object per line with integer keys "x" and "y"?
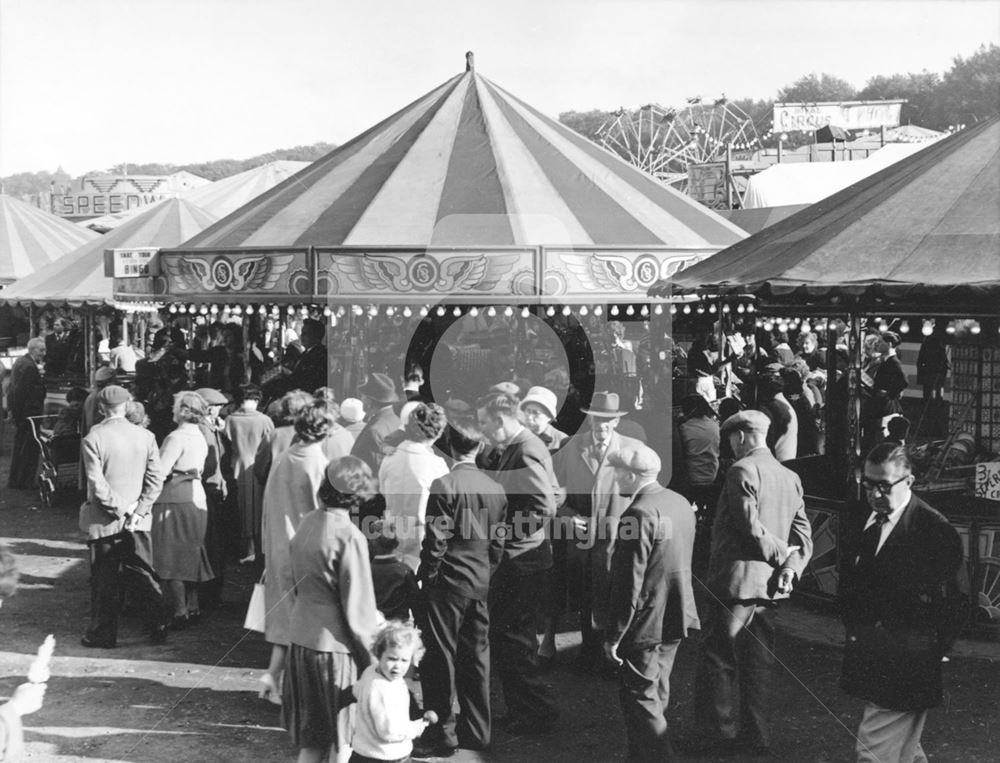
{"x": 644, "y": 690}
{"x": 457, "y": 662}
{"x": 125, "y": 557}
{"x": 513, "y": 601}
{"x": 23, "y": 458}
{"x": 733, "y": 678}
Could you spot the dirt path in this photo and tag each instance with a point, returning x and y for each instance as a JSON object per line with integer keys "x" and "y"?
{"x": 194, "y": 699}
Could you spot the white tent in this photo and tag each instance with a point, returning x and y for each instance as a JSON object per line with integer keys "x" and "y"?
{"x": 806, "y": 183}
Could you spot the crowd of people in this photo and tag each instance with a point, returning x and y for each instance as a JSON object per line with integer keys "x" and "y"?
{"x": 388, "y": 528}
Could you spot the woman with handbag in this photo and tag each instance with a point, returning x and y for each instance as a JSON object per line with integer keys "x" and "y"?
{"x": 180, "y": 514}
{"x": 334, "y": 616}
{"x": 292, "y": 491}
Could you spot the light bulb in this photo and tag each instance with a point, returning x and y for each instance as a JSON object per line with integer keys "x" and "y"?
{"x": 457, "y": 312}
{"x": 928, "y": 328}
{"x": 473, "y": 311}
{"x": 508, "y": 311}
{"x": 975, "y": 328}
{"x": 740, "y": 308}
{"x": 213, "y": 310}
{"x": 768, "y": 326}
{"x": 372, "y": 311}
{"x": 687, "y": 309}
{"x": 566, "y": 310}
{"x": 423, "y": 311}
{"x": 584, "y": 310}
{"x": 701, "y": 310}
{"x": 726, "y": 308}
{"x": 950, "y": 328}
{"x": 712, "y": 309}
{"x": 658, "y": 310}
{"x": 491, "y": 311}
{"x": 550, "y": 311}
{"x": 407, "y": 312}
{"x": 525, "y": 312}
{"x": 673, "y": 309}
{"x": 904, "y": 327}
{"x": 599, "y": 310}
{"x": 203, "y": 310}
{"x": 390, "y": 311}
{"x": 644, "y": 311}
{"x": 440, "y": 310}
{"x": 750, "y": 308}
{"x": 614, "y": 310}
{"x": 172, "y": 309}
{"x": 630, "y": 310}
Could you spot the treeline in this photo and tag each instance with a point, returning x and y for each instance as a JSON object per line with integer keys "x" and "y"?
{"x": 27, "y": 183}
{"x": 967, "y": 93}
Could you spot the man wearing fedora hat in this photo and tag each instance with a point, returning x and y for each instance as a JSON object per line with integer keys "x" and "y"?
{"x": 122, "y": 468}
{"x": 587, "y": 519}
{"x": 761, "y": 542}
{"x": 378, "y": 394}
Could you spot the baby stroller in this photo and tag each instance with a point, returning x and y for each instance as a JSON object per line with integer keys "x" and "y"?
{"x": 59, "y": 466}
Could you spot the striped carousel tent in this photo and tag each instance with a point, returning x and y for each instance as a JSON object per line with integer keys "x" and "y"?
{"x": 31, "y": 238}
{"x": 78, "y": 279}
{"x": 470, "y": 164}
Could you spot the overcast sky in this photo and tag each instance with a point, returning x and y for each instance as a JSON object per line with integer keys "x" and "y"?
{"x": 88, "y": 84}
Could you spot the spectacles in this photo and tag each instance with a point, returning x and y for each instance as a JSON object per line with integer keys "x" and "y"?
{"x": 882, "y": 488}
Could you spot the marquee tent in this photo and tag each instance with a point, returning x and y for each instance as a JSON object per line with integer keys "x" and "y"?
{"x": 78, "y": 279}
{"x": 754, "y": 220}
{"x": 927, "y": 227}
{"x": 218, "y": 198}
{"x": 806, "y": 183}
{"x": 31, "y": 238}
{"x": 470, "y": 164}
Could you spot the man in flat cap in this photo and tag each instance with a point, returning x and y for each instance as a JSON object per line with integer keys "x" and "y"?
{"x": 652, "y": 601}
{"x": 378, "y": 394}
{"x": 761, "y": 542}
{"x": 122, "y": 467}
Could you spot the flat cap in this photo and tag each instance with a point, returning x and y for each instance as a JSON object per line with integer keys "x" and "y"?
{"x": 212, "y": 396}
{"x": 640, "y": 459}
{"x": 746, "y": 421}
{"x": 114, "y": 395}
{"x": 507, "y": 388}
{"x": 104, "y": 374}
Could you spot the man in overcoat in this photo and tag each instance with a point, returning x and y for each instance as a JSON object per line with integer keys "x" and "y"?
{"x": 652, "y": 603}
{"x": 901, "y": 609}
{"x": 761, "y": 542}
{"x": 587, "y": 517}
{"x": 523, "y": 467}
{"x": 26, "y": 398}
{"x": 124, "y": 478}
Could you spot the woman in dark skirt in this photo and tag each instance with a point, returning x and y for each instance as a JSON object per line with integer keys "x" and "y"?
{"x": 334, "y": 617}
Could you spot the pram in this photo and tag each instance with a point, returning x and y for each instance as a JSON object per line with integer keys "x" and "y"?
{"x": 59, "y": 466}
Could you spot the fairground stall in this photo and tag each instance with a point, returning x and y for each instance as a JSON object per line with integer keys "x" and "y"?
{"x": 467, "y": 234}
{"x": 916, "y": 246}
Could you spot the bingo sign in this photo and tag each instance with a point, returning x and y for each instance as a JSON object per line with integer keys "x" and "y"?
{"x": 130, "y": 263}
{"x": 988, "y": 481}
{"x": 849, "y": 115}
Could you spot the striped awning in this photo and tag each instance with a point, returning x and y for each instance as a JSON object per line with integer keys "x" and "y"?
{"x": 78, "y": 278}
{"x": 30, "y": 238}
{"x": 468, "y": 164}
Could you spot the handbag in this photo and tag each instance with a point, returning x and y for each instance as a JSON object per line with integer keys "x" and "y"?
{"x": 254, "y": 621}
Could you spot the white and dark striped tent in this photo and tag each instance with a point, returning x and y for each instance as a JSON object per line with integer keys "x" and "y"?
{"x": 469, "y": 164}
{"x": 31, "y": 238}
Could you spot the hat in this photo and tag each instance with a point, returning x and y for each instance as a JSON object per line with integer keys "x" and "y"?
{"x": 456, "y": 407}
{"x": 640, "y": 459}
{"x": 352, "y": 410}
{"x": 746, "y": 421}
{"x": 114, "y": 395}
{"x": 507, "y": 388}
{"x": 212, "y": 396}
{"x": 604, "y": 405}
{"x": 104, "y": 375}
{"x": 380, "y": 388}
{"x": 544, "y": 398}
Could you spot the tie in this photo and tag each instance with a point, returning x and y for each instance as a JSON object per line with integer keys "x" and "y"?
{"x": 870, "y": 539}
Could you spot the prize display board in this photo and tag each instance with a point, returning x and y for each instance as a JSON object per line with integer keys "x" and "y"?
{"x": 975, "y": 371}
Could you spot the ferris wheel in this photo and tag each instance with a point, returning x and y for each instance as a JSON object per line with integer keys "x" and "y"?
{"x": 666, "y": 141}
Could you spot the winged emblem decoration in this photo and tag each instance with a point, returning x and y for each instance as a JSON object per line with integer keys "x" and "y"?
{"x": 255, "y": 273}
{"x": 601, "y": 272}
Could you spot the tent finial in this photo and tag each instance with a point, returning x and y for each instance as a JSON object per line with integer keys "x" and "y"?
{"x": 470, "y": 61}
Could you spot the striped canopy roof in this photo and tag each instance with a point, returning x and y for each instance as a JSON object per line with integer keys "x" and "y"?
{"x": 78, "y": 278}
{"x": 925, "y": 228}
{"x": 31, "y": 238}
{"x": 468, "y": 164}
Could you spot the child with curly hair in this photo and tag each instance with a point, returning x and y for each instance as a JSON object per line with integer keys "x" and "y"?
{"x": 383, "y": 729}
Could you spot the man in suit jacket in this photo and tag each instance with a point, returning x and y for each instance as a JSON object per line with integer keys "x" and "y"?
{"x": 122, "y": 465}
{"x": 587, "y": 518}
{"x": 378, "y": 394}
{"x": 652, "y": 603}
{"x": 26, "y": 398}
{"x": 900, "y": 616}
{"x": 310, "y": 370}
{"x": 524, "y": 470}
{"x": 761, "y": 542}
{"x": 460, "y": 551}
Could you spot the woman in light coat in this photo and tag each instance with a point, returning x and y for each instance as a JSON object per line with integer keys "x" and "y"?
{"x": 292, "y": 491}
